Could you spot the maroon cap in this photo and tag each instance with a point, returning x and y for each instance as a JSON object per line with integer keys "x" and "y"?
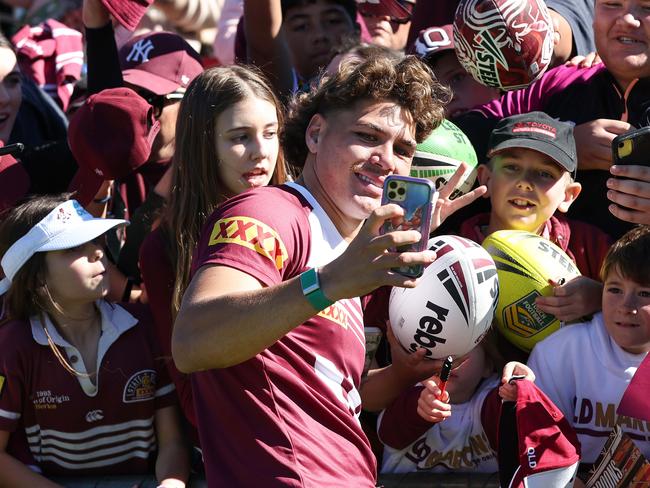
{"x": 434, "y": 40}
{"x": 392, "y": 8}
{"x": 127, "y": 12}
{"x": 160, "y": 62}
{"x": 85, "y": 185}
{"x": 537, "y": 446}
{"x": 14, "y": 181}
{"x": 110, "y": 136}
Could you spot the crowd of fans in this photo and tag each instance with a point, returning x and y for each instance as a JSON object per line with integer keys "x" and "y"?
{"x": 191, "y": 238}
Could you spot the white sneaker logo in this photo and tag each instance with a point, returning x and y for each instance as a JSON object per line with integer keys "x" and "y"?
{"x": 140, "y": 51}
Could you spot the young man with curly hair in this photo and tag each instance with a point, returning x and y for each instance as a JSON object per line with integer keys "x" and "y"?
{"x": 271, "y": 324}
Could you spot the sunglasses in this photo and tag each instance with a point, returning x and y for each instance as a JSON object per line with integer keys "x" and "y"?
{"x": 159, "y": 102}
{"x": 397, "y": 15}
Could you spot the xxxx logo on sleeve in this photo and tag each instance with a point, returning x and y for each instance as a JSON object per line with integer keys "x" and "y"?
{"x": 250, "y": 233}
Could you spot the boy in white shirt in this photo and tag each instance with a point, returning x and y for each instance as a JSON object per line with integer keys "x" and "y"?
{"x": 584, "y": 369}
{"x": 416, "y": 438}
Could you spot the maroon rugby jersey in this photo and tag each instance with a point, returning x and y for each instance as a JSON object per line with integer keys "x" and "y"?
{"x": 288, "y": 416}
{"x": 73, "y": 427}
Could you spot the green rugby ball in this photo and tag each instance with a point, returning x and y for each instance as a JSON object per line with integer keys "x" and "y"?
{"x": 437, "y": 157}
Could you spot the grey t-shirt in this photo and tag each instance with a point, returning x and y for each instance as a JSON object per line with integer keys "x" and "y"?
{"x": 580, "y": 15}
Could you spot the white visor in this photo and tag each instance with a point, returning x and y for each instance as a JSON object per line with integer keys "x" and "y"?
{"x": 67, "y": 226}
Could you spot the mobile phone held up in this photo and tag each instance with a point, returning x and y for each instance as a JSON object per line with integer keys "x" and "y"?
{"x": 416, "y": 196}
{"x": 632, "y": 148}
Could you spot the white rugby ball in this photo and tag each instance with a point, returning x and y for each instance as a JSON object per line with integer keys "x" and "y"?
{"x": 452, "y": 307}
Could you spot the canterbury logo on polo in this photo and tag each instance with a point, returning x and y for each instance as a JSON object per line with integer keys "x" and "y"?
{"x": 94, "y": 415}
{"x": 140, "y": 51}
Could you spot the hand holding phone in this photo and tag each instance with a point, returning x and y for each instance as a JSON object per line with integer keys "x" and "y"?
{"x": 631, "y": 156}
{"x": 632, "y": 148}
{"x": 416, "y": 197}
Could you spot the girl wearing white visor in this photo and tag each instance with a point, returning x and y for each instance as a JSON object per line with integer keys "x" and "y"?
{"x": 82, "y": 389}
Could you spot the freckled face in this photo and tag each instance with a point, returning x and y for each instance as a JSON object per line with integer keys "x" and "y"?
{"x": 355, "y": 149}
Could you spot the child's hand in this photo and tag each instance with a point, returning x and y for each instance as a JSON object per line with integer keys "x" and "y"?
{"x": 579, "y": 297}
{"x": 430, "y": 407}
{"x": 411, "y": 368}
{"x": 508, "y": 390}
{"x": 445, "y": 206}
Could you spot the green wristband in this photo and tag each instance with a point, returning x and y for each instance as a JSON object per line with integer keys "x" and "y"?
{"x": 312, "y": 290}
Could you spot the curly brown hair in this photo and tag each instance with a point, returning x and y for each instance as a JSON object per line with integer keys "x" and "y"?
{"x": 406, "y": 81}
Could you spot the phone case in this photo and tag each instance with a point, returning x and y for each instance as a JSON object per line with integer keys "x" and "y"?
{"x": 416, "y": 197}
{"x": 632, "y": 147}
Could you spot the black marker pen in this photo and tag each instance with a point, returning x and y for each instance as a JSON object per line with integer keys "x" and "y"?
{"x": 444, "y": 375}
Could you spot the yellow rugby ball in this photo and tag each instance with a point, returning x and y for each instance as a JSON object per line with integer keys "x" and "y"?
{"x": 525, "y": 263}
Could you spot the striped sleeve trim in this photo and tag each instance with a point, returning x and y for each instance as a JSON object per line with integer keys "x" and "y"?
{"x": 9, "y": 415}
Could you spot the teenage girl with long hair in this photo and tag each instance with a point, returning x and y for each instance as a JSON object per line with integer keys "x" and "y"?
{"x": 226, "y": 142}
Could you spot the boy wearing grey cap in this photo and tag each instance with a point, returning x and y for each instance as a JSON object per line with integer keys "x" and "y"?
{"x": 530, "y": 178}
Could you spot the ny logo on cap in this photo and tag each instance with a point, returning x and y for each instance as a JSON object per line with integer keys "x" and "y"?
{"x": 140, "y": 51}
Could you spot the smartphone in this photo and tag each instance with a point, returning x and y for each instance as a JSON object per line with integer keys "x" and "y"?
{"x": 632, "y": 148}
{"x": 416, "y": 196}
